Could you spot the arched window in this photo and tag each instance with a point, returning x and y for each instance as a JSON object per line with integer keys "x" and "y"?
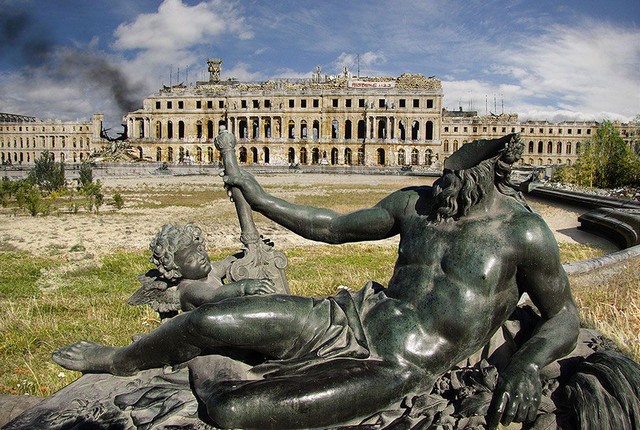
{"x": 210, "y": 129}
{"x": 303, "y": 129}
{"x": 255, "y": 129}
{"x": 334, "y": 129}
{"x": 568, "y": 148}
{"x": 243, "y": 131}
{"x": 291, "y": 133}
{"x": 291, "y": 156}
{"x": 169, "y": 130}
{"x": 446, "y": 145}
{"x": 242, "y": 155}
{"x": 347, "y": 129}
{"x": 540, "y": 149}
{"x": 415, "y": 130}
{"x": 382, "y": 129}
{"x": 401, "y": 157}
{"x": 429, "y": 130}
{"x": 362, "y": 129}
{"x": 303, "y": 155}
{"x": 267, "y": 128}
{"x": 265, "y": 153}
{"x": 414, "y": 156}
{"x": 550, "y": 148}
{"x": 209, "y": 154}
{"x": 315, "y": 156}
{"x": 380, "y": 156}
{"x": 254, "y": 154}
{"x": 170, "y": 154}
{"x": 158, "y": 154}
{"x": 347, "y": 156}
{"x": 180, "y": 129}
{"x": 559, "y": 148}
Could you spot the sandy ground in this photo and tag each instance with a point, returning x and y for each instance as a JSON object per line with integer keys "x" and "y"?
{"x": 133, "y": 226}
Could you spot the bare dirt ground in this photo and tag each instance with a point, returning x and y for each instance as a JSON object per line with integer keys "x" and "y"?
{"x": 133, "y": 226}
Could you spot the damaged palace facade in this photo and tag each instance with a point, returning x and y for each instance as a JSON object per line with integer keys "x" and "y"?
{"x": 340, "y": 120}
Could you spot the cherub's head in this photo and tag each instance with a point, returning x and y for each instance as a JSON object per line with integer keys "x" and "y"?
{"x": 179, "y": 252}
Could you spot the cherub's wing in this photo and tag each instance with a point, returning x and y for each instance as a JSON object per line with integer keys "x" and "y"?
{"x": 155, "y": 292}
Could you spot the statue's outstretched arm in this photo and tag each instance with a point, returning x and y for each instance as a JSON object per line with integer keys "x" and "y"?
{"x": 540, "y": 274}
{"x": 316, "y": 223}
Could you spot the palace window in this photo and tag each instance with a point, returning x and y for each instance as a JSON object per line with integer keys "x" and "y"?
{"x": 429, "y": 103}
{"x": 180, "y": 104}
{"x": 416, "y": 103}
{"x": 157, "y": 105}
{"x": 361, "y": 103}
{"x": 209, "y": 104}
{"x": 303, "y": 103}
{"x": 347, "y": 103}
{"x": 169, "y": 105}
{"x": 292, "y": 103}
{"x": 402, "y": 103}
{"x": 316, "y": 103}
{"x": 198, "y": 104}
{"x": 334, "y": 103}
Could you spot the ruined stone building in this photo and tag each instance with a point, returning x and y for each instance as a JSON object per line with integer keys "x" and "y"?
{"x": 327, "y": 120}
{"x": 24, "y": 138}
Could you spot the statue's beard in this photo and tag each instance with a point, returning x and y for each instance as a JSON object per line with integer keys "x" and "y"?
{"x": 457, "y": 191}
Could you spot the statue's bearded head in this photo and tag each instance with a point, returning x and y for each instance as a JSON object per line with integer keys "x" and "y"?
{"x": 470, "y": 175}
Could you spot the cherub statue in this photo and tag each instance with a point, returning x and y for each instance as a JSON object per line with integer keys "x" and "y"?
{"x": 185, "y": 277}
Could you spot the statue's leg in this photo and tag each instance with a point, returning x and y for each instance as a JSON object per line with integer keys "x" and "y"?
{"x": 266, "y": 324}
{"x": 329, "y": 393}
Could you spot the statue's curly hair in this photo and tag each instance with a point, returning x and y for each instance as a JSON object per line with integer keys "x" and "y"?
{"x": 457, "y": 191}
{"x": 172, "y": 238}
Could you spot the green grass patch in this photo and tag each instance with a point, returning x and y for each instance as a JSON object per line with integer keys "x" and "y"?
{"x": 53, "y": 301}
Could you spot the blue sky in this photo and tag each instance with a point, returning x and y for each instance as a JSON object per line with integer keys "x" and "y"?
{"x": 554, "y": 60}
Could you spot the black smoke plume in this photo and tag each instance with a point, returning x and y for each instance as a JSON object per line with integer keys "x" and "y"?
{"x": 26, "y": 44}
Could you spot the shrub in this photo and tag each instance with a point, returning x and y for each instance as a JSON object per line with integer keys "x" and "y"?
{"x": 47, "y": 174}
{"x": 118, "y": 201}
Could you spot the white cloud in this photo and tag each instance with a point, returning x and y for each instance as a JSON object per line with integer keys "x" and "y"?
{"x": 177, "y": 26}
{"x": 588, "y": 71}
{"x": 242, "y": 72}
{"x": 366, "y": 62}
{"x": 591, "y": 67}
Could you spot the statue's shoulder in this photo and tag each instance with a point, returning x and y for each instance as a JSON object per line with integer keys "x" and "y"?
{"x": 529, "y": 227}
{"x": 408, "y": 195}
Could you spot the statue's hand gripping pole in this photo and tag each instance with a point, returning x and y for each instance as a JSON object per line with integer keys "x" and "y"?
{"x": 260, "y": 260}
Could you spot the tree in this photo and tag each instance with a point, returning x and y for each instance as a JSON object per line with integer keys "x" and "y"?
{"x": 605, "y": 161}
{"x": 47, "y": 174}
{"x": 85, "y": 176}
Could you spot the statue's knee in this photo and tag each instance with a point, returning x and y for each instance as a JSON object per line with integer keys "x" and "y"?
{"x": 224, "y": 409}
{"x": 200, "y": 321}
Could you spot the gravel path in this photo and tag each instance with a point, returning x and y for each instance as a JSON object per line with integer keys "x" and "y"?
{"x": 133, "y": 226}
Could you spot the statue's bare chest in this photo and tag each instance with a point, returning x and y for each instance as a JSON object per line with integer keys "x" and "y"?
{"x": 469, "y": 252}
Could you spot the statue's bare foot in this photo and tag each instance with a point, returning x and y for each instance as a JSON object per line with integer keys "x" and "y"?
{"x": 87, "y": 356}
